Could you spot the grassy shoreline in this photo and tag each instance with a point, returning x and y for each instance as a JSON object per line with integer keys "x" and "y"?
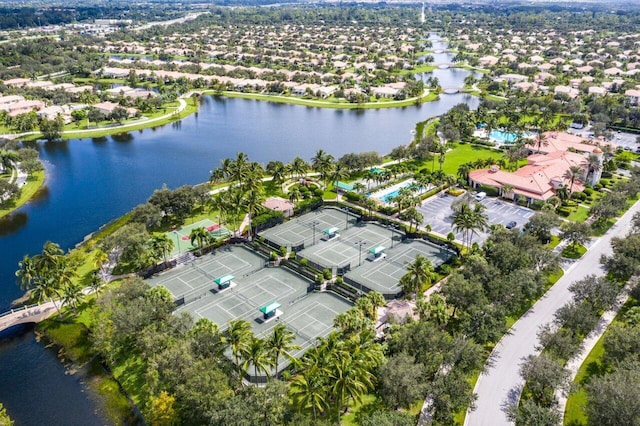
{"x": 31, "y": 187}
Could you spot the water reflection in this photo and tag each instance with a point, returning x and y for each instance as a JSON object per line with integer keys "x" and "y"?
{"x": 122, "y": 137}
{"x": 61, "y": 146}
{"x": 12, "y": 223}
{"x": 99, "y": 140}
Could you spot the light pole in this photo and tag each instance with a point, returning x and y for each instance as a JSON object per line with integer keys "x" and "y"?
{"x": 360, "y": 243}
{"x": 313, "y": 225}
{"x": 178, "y": 240}
{"x": 346, "y": 218}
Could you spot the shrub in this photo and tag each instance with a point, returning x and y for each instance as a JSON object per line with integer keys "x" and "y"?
{"x": 353, "y": 196}
{"x": 327, "y": 274}
{"x": 445, "y": 269}
{"x": 318, "y": 278}
{"x": 588, "y": 191}
{"x": 338, "y": 280}
{"x": 563, "y": 211}
{"x": 273, "y": 255}
{"x": 304, "y": 261}
{"x": 318, "y": 192}
{"x": 580, "y": 196}
{"x": 283, "y": 251}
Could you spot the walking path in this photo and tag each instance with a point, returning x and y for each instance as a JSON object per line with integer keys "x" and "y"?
{"x": 500, "y": 385}
{"x": 574, "y": 364}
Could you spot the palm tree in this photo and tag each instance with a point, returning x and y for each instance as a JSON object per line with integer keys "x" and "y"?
{"x": 256, "y": 353}
{"x": 200, "y": 236}
{"x": 281, "y": 343}
{"x": 100, "y": 258}
{"x": 469, "y": 220}
{"x": 72, "y": 295}
{"x": 217, "y": 176}
{"x": 463, "y": 171}
{"x": 370, "y": 205}
{"x": 594, "y": 165}
{"x": 253, "y": 203}
{"x": 413, "y": 216}
{"x": 359, "y": 187}
{"x": 506, "y": 190}
{"x": 299, "y": 167}
{"x": 27, "y": 273}
{"x": 323, "y": 163}
{"x": 294, "y": 195}
{"x": 350, "y": 380}
{"x": 308, "y": 390}
{"x": 161, "y": 246}
{"x": 572, "y": 174}
{"x": 238, "y": 336}
{"x": 278, "y": 170}
{"x": 419, "y": 274}
{"x": 339, "y": 172}
{"x": 538, "y": 141}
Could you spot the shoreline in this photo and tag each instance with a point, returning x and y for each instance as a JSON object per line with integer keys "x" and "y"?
{"x": 189, "y": 106}
{"x": 30, "y": 190}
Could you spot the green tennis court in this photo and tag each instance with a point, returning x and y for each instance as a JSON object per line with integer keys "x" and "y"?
{"x": 308, "y": 229}
{"x": 384, "y": 275}
{"x": 181, "y": 236}
{"x": 351, "y": 246}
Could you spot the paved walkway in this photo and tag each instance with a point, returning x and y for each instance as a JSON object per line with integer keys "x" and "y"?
{"x": 500, "y": 385}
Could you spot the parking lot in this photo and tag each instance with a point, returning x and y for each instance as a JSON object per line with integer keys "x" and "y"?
{"x": 437, "y": 213}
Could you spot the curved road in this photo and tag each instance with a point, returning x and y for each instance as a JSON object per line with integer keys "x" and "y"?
{"x": 501, "y": 383}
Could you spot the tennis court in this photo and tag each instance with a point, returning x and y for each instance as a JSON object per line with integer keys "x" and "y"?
{"x": 384, "y": 275}
{"x": 196, "y": 279}
{"x": 309, "y": 227}
{"x": 181, "y": 236}
{"x": 352, "y": 246}
{"x": 249, "y": 294}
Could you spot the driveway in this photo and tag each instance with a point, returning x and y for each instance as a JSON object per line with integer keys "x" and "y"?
{"x": 437, "y": 213}
{"x": 501, "y": 384}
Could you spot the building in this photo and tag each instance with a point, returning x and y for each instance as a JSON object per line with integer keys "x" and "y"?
{"x": 545, "y": 171}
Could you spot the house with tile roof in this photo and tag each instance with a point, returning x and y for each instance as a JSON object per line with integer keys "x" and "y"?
{"x": 545, "y": 171}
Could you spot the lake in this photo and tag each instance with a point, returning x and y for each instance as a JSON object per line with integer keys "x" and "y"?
{"x": 92, "y": 181}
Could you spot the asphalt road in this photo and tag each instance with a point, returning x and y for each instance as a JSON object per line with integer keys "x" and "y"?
{"x": 501, "y": 384}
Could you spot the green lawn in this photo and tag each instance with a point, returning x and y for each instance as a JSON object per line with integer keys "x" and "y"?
{"x": 34, "y": 182}
{"x": 574, "y": 251}
{"x": 579, "y": 215}
{"x": 461, "y": 154}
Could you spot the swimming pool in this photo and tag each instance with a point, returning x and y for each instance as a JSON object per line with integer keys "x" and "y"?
{"x": 386, "y": 196}
{"x": 506, "y": 137}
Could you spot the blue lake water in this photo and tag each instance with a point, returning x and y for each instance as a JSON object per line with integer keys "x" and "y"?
{"x": 92, "y": 181}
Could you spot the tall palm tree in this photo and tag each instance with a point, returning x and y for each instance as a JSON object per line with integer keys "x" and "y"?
{"x": 256, "y": 353}
{"x": 72, "y": 295}
{"x": 278, "y": 171}
{"x": 200, "y": 236}
{"x": 469, "y": 220}
{"x": 161, "y": 246}
{"x": 370, "y": 205}
{"x": 572, "y": 174}
{"x": 324, "y": 164}
{"x": 419, "y": 274}
{"x": 100, "y": 258}
{"x": 281, "y": 343}
{"x": 253, "y": 203}
{"x": 308, "y": 390}
{"x": 350, "y": 379}
{"x": 294, "y": 195}
{"x": 238, "y": 336}
{"x": 339, "y": 172}
{"x": 299, "y": 167}
{"x": 594, "y": 165}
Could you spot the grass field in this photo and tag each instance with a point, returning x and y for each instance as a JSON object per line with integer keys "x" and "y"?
{"x": 461, "y": 154}
{"x": 34, "y": 182}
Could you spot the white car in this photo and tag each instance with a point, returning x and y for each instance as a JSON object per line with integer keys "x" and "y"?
{"x": 480, "y": 196}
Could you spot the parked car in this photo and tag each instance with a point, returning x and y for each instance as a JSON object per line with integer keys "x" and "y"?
{"x": 511, "y": 224}
{"x": 480, "y": 196}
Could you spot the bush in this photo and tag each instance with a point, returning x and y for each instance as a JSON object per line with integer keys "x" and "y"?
{"x": 588, "y": 191}
{"x": 580, "y": 196}
{"x": 353, "y": 197}
{"x": 564, "y": 211}
{"x": 283, "y": 251}
{"x": 304, "y": 261}
{"x": 445, "y": 269}
{"x": 273, "y": 255}
{"x": 318, "y": 278}
{"x": 327, "y": 274}
{"x": 338, "y": 280}
{"x": 318, "y": 193}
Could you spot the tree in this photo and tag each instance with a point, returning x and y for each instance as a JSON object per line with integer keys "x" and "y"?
{"x": 323, "y": 163}
{"x": 387, "y": 418}
{"x": 413, "y": 216}
{"x": 238, "y": 336}
{"x": 469, "y": 220}
{"x": 625, "y": 260}
{"x": 573, "y": 173}
{"x": 599, "y": 292}
{"x": 118, "y": 115}
{"x": 161, "y": 410}
{"x": 540, "y": 225}
{"x": 200, "y": 236}
{"x": 95, "y": 115}
{"x": 206, "y": 340}
{"x": 281, "y": 342}
{"x": 576, "y": 233}
{"x": 543, "y": 376}
{"x": 161, "y": 246}
{"x": 419, "y": 274}
{"x": 52, "y": 129}
{"x": 5, "y": 420}
{"x": 613, "y": 397}
{"x": 256, "y": 353}
{"x": 401, "y": 381}
{"x": 531, "y": 414}
{"x": 148, "y": 214}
